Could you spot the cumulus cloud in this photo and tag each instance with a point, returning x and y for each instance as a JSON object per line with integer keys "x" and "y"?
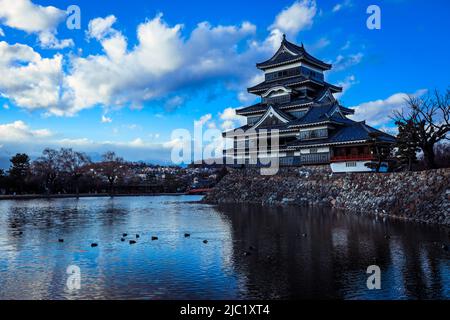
{"x": 18, "y": 136}
{"x": 122, "y": 76}
{"x": 106, "y": 119}
{"x": 291, "y": 20}
{"x": 297, "y": 17}
{"x": 151, "y": 69}
{"x": 99, "y": 28}
{"x": 378, "y": 112}
{"x": 162, "y": 62}
{"x": 31, "y": 18}
{"x": 2, "y": 33}
{"x": 230, "y": 119}
{"x": 344, "y": 62}
{"x": 18, "y": 131}
{"x": 28, "y": 80}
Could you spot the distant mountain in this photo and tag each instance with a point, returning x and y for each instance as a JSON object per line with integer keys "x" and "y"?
{"x": 95, "y": 157}
{"x": 4, "y": 163}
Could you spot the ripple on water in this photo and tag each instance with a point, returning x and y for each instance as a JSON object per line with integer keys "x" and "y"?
{"x": 328, "y": 261}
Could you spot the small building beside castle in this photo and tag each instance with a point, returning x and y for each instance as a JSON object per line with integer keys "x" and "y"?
{"x": 311, "y": 126}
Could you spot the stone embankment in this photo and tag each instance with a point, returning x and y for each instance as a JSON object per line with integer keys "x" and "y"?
{"x": 417, "y": 196}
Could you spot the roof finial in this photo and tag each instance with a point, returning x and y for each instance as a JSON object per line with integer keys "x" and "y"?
{"x": 303, "y": 45}
{"x": 284, "y": 37}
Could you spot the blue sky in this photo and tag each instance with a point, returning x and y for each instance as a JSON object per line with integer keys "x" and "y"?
{"x": 137, "y": 70}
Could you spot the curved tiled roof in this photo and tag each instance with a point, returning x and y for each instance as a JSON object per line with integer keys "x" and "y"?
{"x": 292, "y": 81}
{"x": 351, "y": 132}
{"x": 284, "y": 56}
{"x": 262, "y": 107}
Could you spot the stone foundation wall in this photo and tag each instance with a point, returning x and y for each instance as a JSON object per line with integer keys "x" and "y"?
{"x": 417, "y": 196}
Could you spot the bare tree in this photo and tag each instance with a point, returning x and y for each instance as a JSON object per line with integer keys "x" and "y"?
{"x": 111, "y": 167}
{"x": 73, "y": 164}
{"x": 48, "y": 167}
{"x": 428, "y": 118}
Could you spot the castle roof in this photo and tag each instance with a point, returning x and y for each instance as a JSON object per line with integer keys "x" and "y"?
{"x": 290, "y": 53}
{"x": 351, "y": 132}
{"x": 291, "y": 82}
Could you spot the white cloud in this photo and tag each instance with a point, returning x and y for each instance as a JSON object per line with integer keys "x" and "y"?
{"x": 203, "y": 120}
{"x": 174, "y": 103}
{"x": 151, "y": 69}
{"x": 133, "y": 126}
{"x": 18, "y": 131}
{"x": 128, "y": 76}
{"x": 2, "y": 33}
{"x": 344, "y": 62}
{"x": 48, "y": 40}
{"x": 31, "y": 18}
{"x": 99, "y": 28}
{"x": 243, "y": 95}
{"x": 106, "y": 119}
{"x": 212, "y": 125}
{"x": 6, "y": 106}
{"x": 297, "y": 17}
{"x": 230, "y": 119}
{"x": 342, "y": 5}
{"x": 346, "y": 84}
{"x": 378, "y": 112}
{"x": 28, "y": 80}
{"x": 337, "y": 7}
{"x": 20, "y": 137}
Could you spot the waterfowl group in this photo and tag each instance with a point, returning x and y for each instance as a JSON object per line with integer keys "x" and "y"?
{"x": 153, "y": 238}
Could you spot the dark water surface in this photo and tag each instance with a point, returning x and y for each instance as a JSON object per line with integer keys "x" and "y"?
{"x": 294, "y": 252}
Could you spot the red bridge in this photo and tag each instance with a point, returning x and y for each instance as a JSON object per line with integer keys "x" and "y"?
{"x": 199, "y": 191}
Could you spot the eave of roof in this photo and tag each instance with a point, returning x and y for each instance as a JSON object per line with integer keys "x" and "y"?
{"x": 282, "y": 58}
{"x": 290, "y": 82}
{"x": 262, "y": 107}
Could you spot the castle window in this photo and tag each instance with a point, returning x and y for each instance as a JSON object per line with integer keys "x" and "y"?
{"x": 283, "y": 73}
{"x": 298, "y": 114}
{"x": 277, "y": 99}
{"x": 313, "y": 134}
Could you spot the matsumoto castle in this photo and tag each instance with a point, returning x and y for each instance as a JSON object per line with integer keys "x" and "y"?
{"x": 312, "y": 126}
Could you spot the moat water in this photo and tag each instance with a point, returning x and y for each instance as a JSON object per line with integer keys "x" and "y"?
{"x": 251, "y": 252}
